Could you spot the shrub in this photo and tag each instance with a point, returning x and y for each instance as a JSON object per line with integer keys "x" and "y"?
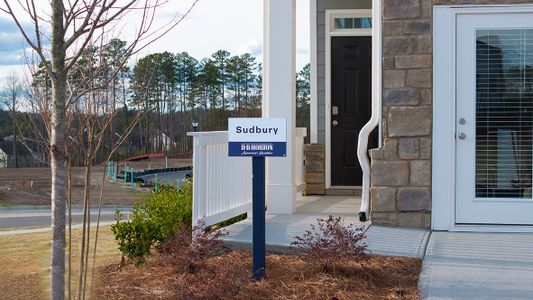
{"x": 168, "y": 208}
{"x": 330, "y": 241}
{"x": 190, "y": 248}
{"x": 155, "y": 218}
{"x": 135, "y": 237}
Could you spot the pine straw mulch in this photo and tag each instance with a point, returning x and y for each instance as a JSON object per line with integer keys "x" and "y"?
{"x": 288, "y": 277}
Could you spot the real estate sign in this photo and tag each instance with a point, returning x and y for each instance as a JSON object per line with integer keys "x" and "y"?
{"x": 257, "y": 137}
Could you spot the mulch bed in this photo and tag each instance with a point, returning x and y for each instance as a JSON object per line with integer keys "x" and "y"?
{"x": 228, "y": 276}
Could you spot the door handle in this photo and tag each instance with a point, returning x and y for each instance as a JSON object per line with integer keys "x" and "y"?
{"x": 335, "y": 123}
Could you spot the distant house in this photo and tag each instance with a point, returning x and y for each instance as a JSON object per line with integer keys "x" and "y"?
{"x": 3, "y": 159}
{"x": 156, "y": 141}
{"x": 29, "y": 154}
{"x": 161, "y": 141}
{"x": 6, "y": 154}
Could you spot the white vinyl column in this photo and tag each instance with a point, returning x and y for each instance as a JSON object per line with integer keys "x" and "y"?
{"x": 279, "y": 98}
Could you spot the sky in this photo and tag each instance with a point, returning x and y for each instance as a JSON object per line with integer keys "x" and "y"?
{"x": 232, "y": 25}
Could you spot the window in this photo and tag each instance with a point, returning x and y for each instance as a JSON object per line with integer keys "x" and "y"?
{"x": 504, "y": 113}
{"x": 352, "y": 23}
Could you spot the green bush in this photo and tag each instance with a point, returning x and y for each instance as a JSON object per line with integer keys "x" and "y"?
{"x": 155, "y": 218}
{"x": 135, "y": 237}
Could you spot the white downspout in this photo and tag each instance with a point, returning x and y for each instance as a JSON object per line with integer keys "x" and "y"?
{"x": 362, "y": 142}
{"x": 314, "y": 78}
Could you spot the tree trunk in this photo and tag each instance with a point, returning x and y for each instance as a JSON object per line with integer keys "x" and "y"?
{"x": 15, "y": 154}
{"x": 58, "y": 153}
{"x": 69, "y": 187}
{"x": 58, "y": 195}
{"x": 86, "y": 230}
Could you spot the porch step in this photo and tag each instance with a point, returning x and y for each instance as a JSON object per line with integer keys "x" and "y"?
{"x": 344, "y": 192}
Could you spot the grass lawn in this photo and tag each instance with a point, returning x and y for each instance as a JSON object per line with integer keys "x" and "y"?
{"x": 25, "y": 262}
{"x": 288, "y": 277}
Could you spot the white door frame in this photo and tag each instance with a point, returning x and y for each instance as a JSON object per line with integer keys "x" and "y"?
{"x": 331, "y": 14}
{"x": 444, "y": 115}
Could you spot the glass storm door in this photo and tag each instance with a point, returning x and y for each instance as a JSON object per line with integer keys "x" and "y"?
{"x": 494, "y": 119}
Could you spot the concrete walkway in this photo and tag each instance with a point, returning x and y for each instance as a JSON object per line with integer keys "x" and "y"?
{"x": 281, "y": 229}
{"x": 461, "y": 265}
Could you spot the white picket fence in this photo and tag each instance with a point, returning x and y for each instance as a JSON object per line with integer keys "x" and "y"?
{"x": 222, "y": 185}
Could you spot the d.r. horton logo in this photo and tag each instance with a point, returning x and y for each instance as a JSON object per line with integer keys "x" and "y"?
{"x": 257, "y": 147}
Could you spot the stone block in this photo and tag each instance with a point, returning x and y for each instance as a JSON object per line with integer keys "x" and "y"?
{"x": 414, "y": 199}
{"x": 420, "y": 174}
{"x": 401, "y": 96}
{"x": 376, "y": 221}
{"x": 414, "y": 219}
{"x": 315, "y": 189}
{"x": 419, "y": 78}
{"x": 401, "y": 9}
{"x": 389, "y": 173}
{"x": 314, "y": 155}
{"x": 409, "y": 148}
{"x": 385, "y": 219}
{"x": 376, "y": 154}
{"x": 425, "y": 148}
{"x": 314, "y": 178}
{"x": 314, "y": 147}
{"x": 399, "y": 45}
{"x": 443, "y": 2}
{"x": 415, "y": 61}
{"x": 393, "y": 78}
{"x": 383, "y": 199}
{"x": 424, "y": 44}
{"x": 408, "y": 121}
{"x": 387, "y": 62}
{"x": 427, "y": 8}
{"x": 426, "y": 97}
{"x": 384, "y": 128}
{"x": 390, "y": 149}
{"x": 392, "y": 28}
{"x": 314, "y": 166}
{"x": 417, "y": 27}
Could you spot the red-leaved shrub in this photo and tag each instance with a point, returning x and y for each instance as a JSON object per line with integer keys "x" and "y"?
{"x": 330, "y": 242}
{"x": 190, "y": 248}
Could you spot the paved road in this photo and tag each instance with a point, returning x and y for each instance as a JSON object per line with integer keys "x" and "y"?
{"x": 167, "y": 178}
{"x": 24, "y": 217}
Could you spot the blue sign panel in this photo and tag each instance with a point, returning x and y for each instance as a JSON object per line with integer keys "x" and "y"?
{"x": 259, "y": 149}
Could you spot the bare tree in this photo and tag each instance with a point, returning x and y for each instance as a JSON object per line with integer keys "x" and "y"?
{"x": 74, "y": 25}
{"x": 11, "y": 98}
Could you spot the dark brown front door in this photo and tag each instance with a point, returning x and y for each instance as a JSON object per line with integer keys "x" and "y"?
{"x": 351, "y": 86}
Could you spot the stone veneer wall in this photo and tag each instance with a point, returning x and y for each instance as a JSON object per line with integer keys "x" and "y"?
{"x": 401, "y": 169}
{"x": 314, "y": 169}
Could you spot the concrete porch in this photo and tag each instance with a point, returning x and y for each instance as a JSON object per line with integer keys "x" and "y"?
{"x": 282, "y": 228}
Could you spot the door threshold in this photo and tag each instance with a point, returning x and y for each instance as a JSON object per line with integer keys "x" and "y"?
{"x": 344, "y": 191}
{"x": 344, "y": 187}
